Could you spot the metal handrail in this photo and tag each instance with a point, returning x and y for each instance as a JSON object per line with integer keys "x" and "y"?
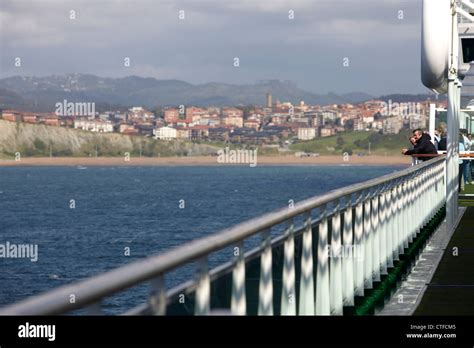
{"x": 462, "y": 154}
{"x": 90, "y": 291}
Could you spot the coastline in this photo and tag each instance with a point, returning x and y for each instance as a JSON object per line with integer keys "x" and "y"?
{"x": 373, "y": 160}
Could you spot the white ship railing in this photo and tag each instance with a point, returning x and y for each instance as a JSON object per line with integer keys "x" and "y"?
{"x": 378, "y": 218}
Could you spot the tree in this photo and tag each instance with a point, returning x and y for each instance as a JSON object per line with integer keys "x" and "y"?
{"x": 340, "y": 141}
{"x": 348, "y": 151}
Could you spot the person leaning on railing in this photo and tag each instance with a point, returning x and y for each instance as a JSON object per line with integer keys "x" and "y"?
{"x": 470, "y": 172}
{"x": 422, "y": 146}
{"x": 462, "y": 165}
{"x": 463, "y": 137}
{"x": 440, "y": 139}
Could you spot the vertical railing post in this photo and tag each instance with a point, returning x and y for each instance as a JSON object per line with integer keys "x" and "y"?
{"x": 415, "y": 204}
{"x": 265, "y": 290}
{"x": 409, "y": 227}
{"x": 157, "y": 299}
{"x": 383, "y": 231}
{"x": 430, "y": 192}
{"x": 433, "y": 186}
{"x": 395, "y": 221}
{"x": 349, "y": 253}
{"x": 203, "y": 290}
{"x": 239, "y": 302}
{"x": 335, "y": 270}
{"x": 368, "y": 243}
{"x": 288, "y": 294}
{"x": 442, "y": 190}
{"x": 410, "y": 208}
{"x": 359, "y": 246}
{"x": 438, "y": 184}
{"x": 405, "y": 213}
{"x": 418, "y": 217}
{"x": 400, "y": 222}
{"x": 428, "y": 195}
{"x": 322, "y": 275}
{"x": 306, "y": 300}
{"x": 418, "y": 220}
{"x": 389, "y": 200}
{"x": 423, "y": 198}
{"x": 376, "y": 237}
{"x": 445, "y": 188}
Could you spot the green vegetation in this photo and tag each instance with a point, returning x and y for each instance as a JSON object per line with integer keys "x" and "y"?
{"x": 268, "y": 151}
{"x": 356, "y": 142}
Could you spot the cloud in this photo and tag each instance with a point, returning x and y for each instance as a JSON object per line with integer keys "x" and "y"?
{"x": 366, "y": 32}
{"x": 201, "y": 47}
{"x": 15, "y": 30}
{"x": 264, "y": 6}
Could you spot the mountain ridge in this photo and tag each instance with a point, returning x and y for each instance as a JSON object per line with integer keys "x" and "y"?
{"x": 40, "y": 94}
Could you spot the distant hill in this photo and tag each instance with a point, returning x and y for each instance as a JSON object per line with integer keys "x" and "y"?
{"x": 41, "y": 93}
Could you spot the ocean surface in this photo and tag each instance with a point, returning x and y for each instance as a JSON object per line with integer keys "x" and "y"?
{"x": 84, "y": 219}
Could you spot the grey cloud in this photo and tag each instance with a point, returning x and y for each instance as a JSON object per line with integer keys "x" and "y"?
{"x": 384, "y": 50}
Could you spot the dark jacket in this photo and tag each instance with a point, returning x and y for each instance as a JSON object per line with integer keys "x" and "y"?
{"x": 442, "y": 144}
{"x": 423, "y": 146}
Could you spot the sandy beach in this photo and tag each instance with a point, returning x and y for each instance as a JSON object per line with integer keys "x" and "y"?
{"x": 203, "y": 160}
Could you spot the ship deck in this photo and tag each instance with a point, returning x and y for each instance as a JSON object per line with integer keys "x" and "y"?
{"x": 451, "y": 290}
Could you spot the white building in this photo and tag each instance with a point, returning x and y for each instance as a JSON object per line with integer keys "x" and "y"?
{"x": 368, "y": 119}
{"x": 237, "y": 121}
{"x": 392, "y": 125}
{"x": 94, "y": 126}
{"x": 137, "y": 109}
{"x": 417, "y": 121}
{"x": 329, "y": 115}
{"x": 165, "y": 133}
{"x": 306, "y": 133}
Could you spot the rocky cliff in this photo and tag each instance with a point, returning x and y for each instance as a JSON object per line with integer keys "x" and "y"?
{"x": 41, "y": 140}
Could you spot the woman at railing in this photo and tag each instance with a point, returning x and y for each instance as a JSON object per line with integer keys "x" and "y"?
{"x": 441, "y": 145}
{"x": 414, "y": 160}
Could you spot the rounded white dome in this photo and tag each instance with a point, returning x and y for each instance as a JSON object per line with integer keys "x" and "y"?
{"x": 435, "y": 41}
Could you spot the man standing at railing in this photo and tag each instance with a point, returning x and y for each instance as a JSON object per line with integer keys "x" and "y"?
{"x": 462, "y": 165}
{"x": 463, "y": 137}
{"x": 471, "y": 167}
{"x": 423, "y": 146}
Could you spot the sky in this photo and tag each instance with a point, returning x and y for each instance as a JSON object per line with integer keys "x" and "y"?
{"x": 323, "y": 46}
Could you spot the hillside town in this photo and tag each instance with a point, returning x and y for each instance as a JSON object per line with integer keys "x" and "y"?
{"x": 270, "y": 124}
